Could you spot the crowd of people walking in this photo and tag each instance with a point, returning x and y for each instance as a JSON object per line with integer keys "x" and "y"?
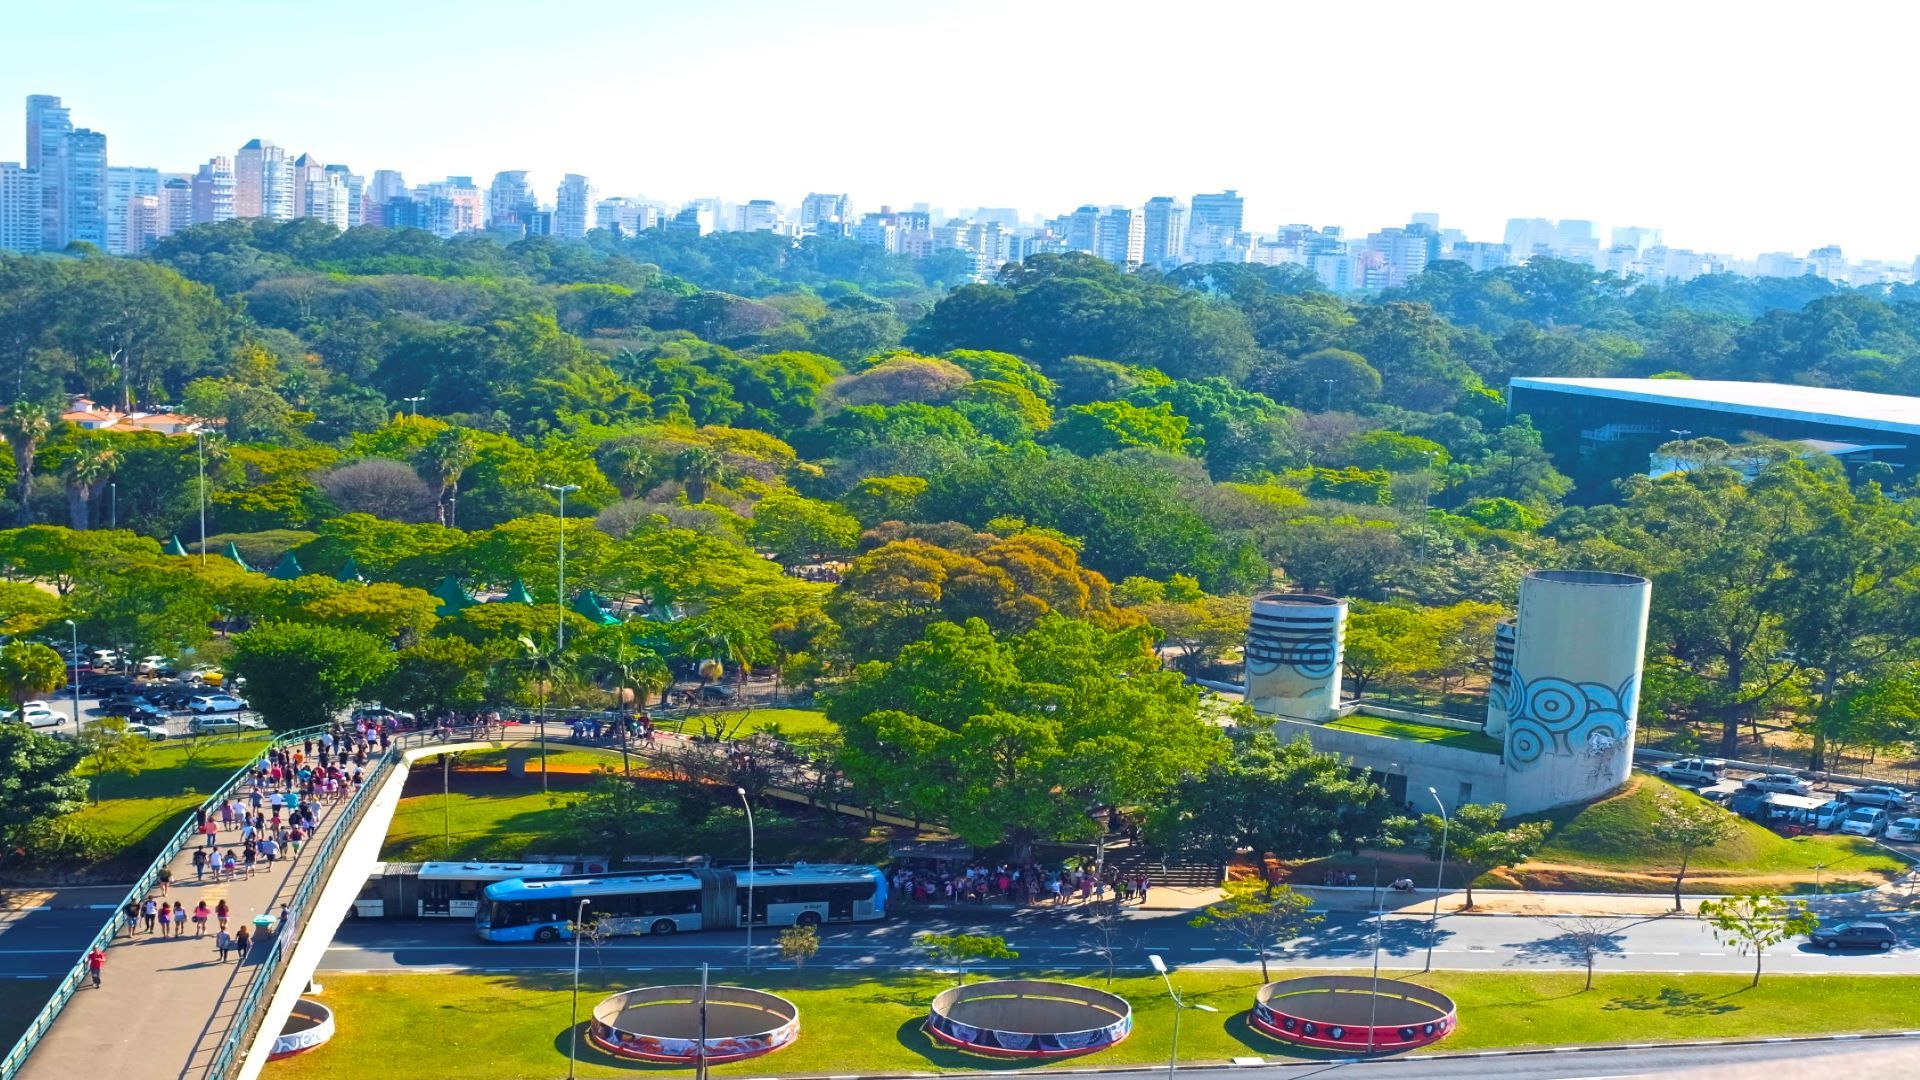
{"x": 982, "y": 883}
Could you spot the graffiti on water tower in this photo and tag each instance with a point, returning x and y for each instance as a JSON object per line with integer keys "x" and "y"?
{"x": 1553, "y": 716}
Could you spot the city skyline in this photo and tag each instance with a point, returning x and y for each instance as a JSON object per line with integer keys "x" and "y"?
{"x": 1478, "y": 115}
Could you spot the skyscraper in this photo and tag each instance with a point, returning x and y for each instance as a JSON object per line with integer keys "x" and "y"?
{"x": 124, "y": 184}
{"x": 1216, "y": 219}
{"x": 20, "y": 209}
{"x": 86, "y": 188}
{"x": 387, "y": 186}
{"x": 510, "y": 199}
{"x": 263, "y": 182}
{"x": 213, "y": 191}
{"x": 143, "y": 223}
{"x": 1165, "y": 240}
{"x": 572, "y": 207}
{"x": 176, "y": 204}
{"x": 48, "y": 126}
{"x": 451, "y": 206}
{"x": 833, "y": 211}
{"x": 1082, "y": 232}
{"x": 355, "y": 186}
{"x": 1120, "y": 235}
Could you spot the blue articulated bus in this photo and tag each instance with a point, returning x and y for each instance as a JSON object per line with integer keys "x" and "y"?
{"x": 667, "y": 903}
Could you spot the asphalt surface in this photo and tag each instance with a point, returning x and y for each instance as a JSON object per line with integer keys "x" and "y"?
{"x": 43, "y": 933}
{"x": 1848, "y": 1058}
{"x": 1066, "y": 940}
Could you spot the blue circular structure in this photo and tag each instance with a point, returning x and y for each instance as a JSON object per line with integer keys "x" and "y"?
{"x": 1029, "y": 1018}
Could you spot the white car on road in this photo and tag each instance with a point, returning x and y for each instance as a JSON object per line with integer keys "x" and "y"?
{"x": 35, "y": 714}
{"x": 1906, "y": 828}
{"x": 1865, "y": 821}
{"x": 222, "y": 724}
{"x": 207, "y": 704}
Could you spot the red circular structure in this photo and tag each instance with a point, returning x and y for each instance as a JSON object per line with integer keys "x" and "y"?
{"x": 1028, "y": 1018}
{"x": 1341, "y": 1012}
{"x": 662, "y": 1023}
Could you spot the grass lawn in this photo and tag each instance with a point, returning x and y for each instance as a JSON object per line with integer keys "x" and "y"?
{"x": 1429, "y": 733}
{"x": 1614, "y": 838}
{"x": 748, "y": 721}
{"x": 495, "y": 816}
{"x": 137, "y": 813}
{"x": 502, "y": 1026}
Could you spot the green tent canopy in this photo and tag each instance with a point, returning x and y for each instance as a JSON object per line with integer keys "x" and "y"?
{"x": 453, "y": 596}
{"x": 589, "y": 607}
{"x": 233, "y": 552}
{"x": 174, "y": 546}
{"x": 287, "y": 569}
{"x": 350, "y": 572}
{"x": 516, "y": 595}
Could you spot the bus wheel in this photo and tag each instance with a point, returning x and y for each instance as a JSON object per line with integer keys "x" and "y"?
{"x": 662, "y": 927}
{"x": 807, "y": 918}
{"x": 547, "y": 933}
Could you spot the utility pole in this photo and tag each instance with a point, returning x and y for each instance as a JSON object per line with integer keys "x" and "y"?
{"x": 1439, "y": 876}
{"x": 573, "y": 1029}
{"x": 200, "y": 443}
{"x": 750, "y": 874}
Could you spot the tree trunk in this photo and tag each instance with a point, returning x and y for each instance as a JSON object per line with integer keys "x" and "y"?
{"x": 1758, "y": 954}
{"x": 1685, "y": 858}
{"x": 1263, "y": 966}
{"x": 1820, "y": 717}
{"x": 78, "y": 503}
{"x": 1589, "y": 970}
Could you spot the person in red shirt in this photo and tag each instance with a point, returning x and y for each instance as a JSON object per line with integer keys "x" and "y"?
{"x": 96, "y": 960}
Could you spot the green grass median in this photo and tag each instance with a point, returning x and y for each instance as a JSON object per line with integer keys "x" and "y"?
{"x": 135, "y": 814}
{"x": 499, "y": 1026}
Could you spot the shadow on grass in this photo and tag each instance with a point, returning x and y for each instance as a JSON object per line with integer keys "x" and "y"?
{"x": 1671, "y": 1001}
{"x": 1240, "y": 1028}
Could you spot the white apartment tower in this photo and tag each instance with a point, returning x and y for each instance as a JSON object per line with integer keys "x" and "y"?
{"x": 48, "y": 126}
{"x": 263, "y": 182}
{"x": 213, "y": 191}
{"x": 20, "y": 209}
{"x": 1164, "y": 241}
{"x": 510, "y": 199}
{"x": 572, "y": 207}
{"x": 124, "y": 184}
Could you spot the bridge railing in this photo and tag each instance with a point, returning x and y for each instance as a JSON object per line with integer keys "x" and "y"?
{"x": 70, "y": 982}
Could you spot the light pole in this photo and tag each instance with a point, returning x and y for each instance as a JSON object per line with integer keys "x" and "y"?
{"x": 1179, "y": 1006}
{"x": 413, "y": 404}
{"x": 749, "y": 808}
{"x": 1439, "y": 876}
{"x": 1329, "y": 383}
{"x": 75, "y": 627}
{"x": 573, "y": 1029}
{"x": 200, "y": 444}
{"x": 113, "y": 505}
{"x": 560, "y": 596}
{"x": 1379, "y": 916}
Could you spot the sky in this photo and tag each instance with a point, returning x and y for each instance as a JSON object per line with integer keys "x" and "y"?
{"x": 1737, "y": 128}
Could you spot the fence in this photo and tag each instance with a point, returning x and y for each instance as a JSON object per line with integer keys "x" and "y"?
{"x": 69, "y": 983}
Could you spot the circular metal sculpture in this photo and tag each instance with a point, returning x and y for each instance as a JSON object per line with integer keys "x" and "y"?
{"x": 662, "y": 1023}
{"x": 1029, "y": 1018}
{"x": 1340, "y": 1012}
{"x": 310, "y": 1024}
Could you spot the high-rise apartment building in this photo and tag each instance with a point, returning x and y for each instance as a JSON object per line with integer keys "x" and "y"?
{"x": 320, "y": 192}
{"x": 759, "y": 215}
{"x": 1215, "y": 219}
{"x": 355, "y": 186}
{"x": 1525, "y": 236}
{"x": 86, "y": 183}
{"x": 213, "y": 191}
{"x": 20, "y": 209}
{"x": 572, "y": 207}
{"x": 263, "y": 182}
{"x": 386, "y": 186}
{"x": 124, "y": 184}
{"x": 1164, "y": 242}
{"x": 835, "y": 212}
{"x": 450, "y": 207}
{"x": 48, "y": 125}
{"x": 143, "y": 223}
{"x": 510, "y": 199}
{"x": 1120, "y": 235}
{"x": 623, "y": 216}
{"x": 1081, "y": 229}
{"x": 176, "y": 203}
{"x": 1635, "y": 238}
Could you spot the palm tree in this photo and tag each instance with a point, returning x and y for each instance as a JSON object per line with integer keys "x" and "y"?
{"x": 626, "y": 463}
{"x": 88, "y": 466}
{"x": 699, "y": 468}
{"x": 25, "y": 426}
{"x": 617, "y": 655}
{"x": 445, "y": 458}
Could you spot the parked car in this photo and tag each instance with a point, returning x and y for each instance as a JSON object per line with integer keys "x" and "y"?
{"x": 155, "y": 665}
{"x": 1906, "y": 828}
{"x": 151, "y": 731}
{"x": 716, "y": 693}
{"x": 1855, "y": 935}
{"x": 207, "y": 704}
{"x": 34, "y": 714}
{"x": 223, "y": 725}
{"x": 103, "y": 685}
{"x": 1784, "y": 783}
{"x": 1881, "y": 795}
{"x": 1693, "y": 771}
{"x": 1828, "y": 815}
{"x": 1865, "y": 821}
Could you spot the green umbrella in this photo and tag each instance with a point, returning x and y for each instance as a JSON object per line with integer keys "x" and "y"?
{"x": 287, "y": 569}
{"x": 589, "y": 607}
{"x": 233, "y": 552}
{"x": 517, "y": 595}
{"x": 174, "y": 546}
{"x": 453, "y": 596}
{"x": 349, "y": 572}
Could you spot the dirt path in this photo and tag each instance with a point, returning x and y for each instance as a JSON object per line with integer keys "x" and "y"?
{"x": 1563, "y": 876}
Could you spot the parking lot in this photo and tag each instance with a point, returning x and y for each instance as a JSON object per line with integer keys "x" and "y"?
{"x": 162, "y": 703}
{"x": 1796, "y": 802}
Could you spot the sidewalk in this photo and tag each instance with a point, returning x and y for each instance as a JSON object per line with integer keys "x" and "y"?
{"x": 1896, "y": 897}
{"x": 166, "y": 1005}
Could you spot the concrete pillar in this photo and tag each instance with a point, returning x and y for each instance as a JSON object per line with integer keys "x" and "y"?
{"x": 1294, "y": 643}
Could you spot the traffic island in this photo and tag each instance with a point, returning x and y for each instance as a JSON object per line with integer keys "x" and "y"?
{"x": 310, "y": 1025}
{"x": 662, "y": 1023}
{"x": 1351, "y": 1012}
{"x": 1029, "y": 1018}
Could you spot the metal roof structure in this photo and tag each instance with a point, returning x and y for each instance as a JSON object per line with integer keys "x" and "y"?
{"x": 1806, "y": 404}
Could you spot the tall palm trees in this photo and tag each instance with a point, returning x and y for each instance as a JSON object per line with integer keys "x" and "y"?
{"x": 444, "y": 458}
{"x": 25, "y": 426}
{"x": 699, "y": 468}
{"x": 84, "y": 470}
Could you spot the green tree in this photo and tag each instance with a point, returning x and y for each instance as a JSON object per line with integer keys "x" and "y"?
{"x": 301, "y": 674}
{"x": 84, "y": 469}
{"x": 445, "y": 458}
{"x": 1388, "y": 641}
{"x": 435, "y": 676}
{"x": 108, "y": 747}
{"x": 1103, "y": 426}
{"x": 798, "y": 944}
{"x": 1477, "y": 839}
{"x": 1757, "y": 922}
{"x": 380, "y": 608}
{"x": 797, "y": 530}
{"x": 615, "y": 816}
{"x": 25, "y": 608}
{"x": 25, "y": 426}
{"x": 1278, "y": 799}
{"x": 28, "y": 670}
{"x": 963, "y": 949}
{"x": 1689, "y": 824}
{"x": 38, "y": 780}
{"x": 1258, "y": 917}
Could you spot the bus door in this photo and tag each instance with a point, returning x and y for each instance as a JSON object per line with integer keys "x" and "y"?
{"x": 840, "y": 902}
{"x": 436, "y": 899}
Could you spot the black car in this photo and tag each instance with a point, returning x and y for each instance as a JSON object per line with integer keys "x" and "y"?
{"x": 1855, "y": 935}
{"x": 716, "y": 693}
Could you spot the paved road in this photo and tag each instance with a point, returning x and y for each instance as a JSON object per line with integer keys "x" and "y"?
{"x": 1066, "y": 940}
{"x": 1871, "y": 1061}
{"x": 45, "y": 937}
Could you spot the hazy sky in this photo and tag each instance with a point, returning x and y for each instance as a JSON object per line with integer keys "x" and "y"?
{"x": 1736, "y": 127}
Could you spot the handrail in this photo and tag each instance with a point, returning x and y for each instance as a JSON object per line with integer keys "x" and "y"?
{"x": 266, "y": 974}
{"x": 69, "y": 983}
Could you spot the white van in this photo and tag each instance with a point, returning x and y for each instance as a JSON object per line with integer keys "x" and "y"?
{"x": 1865, "y": 821}
{"x": 1694, "y": 771}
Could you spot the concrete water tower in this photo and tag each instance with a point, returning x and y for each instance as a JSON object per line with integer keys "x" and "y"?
{"x": 1567, "y": 704}
{"x": 1294, "y": 645}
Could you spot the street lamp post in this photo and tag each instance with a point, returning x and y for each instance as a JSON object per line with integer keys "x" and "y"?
{"x": 413, "y": 404}
{"x": 573, "y": 1029}
{"x": 1329, "y": 383}
{"x": 1439, "y": 876}
{"x": 200, "y": 444}
{"x": 560, "y": 595}
{"x": 1379, "y": 916}
{"x": 1179, "y": 1006}
{"x": 113, "y": 505}
{"x": 750, "y": 849}
{"x": 75, "y": 627}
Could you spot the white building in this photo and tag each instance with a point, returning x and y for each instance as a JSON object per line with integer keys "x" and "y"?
{"x": 825, "y": 213}
{"x": 144, "y": 223}
{"x": 759, "y": 215}
{"x": 213, "y": 193}
{"x": 625, "y": 216}
{"x": 176, "y": 203}
{"x": 1164, "y": 236}
{"x": 355, "y": 186}
{"x": 573, "y": 207}
{"x": 21, "y": 225}
{"x": 510, "y": 199}
{"x": 1121, "y": 235}
{"x": 263, "y": 182}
